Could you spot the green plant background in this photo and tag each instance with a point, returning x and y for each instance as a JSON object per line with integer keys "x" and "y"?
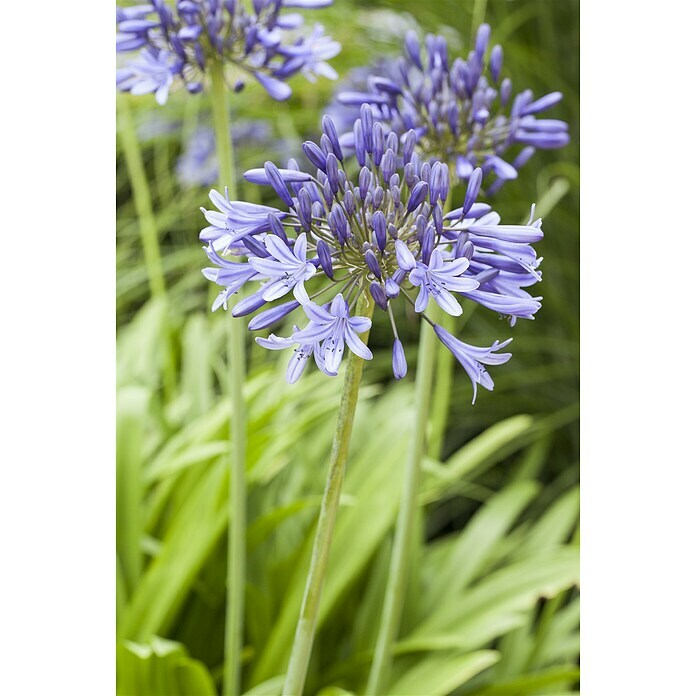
{"x": 492, "y": 602}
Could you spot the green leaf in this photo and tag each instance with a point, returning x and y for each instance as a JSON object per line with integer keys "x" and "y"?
{"x": 498, "y": 602}
{"x": 468, "y": 555}
{"x": 131, "y": 418}
{"x": 439, "y": 675}
{"x": 475, "y": 455}
{"x": 271, "y": 687}
{"x": 160, "y": 668}
{"x": 186, "y": 546}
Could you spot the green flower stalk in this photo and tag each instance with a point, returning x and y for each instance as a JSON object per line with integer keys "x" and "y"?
{"x": 236, "y": 549}
{"x": 306, "y": 625}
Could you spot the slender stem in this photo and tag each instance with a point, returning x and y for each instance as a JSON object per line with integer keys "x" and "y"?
{"x": 443, "y": 379}
{"x": 441, "y": 392}
{"x": 396, "y": 583}
{"x": 306, "y": 625}
{"x": 148, "y": 231}
{"x": 236, "y": 543}
{"x": 142, "y": 199}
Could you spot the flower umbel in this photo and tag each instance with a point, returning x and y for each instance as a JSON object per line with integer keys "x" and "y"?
{"x": 461, "y": 111}
{"x": 178, "y": 44}
{"x": 381, "y": 231}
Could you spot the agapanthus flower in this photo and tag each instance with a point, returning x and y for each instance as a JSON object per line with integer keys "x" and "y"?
{"x": 178, "y": 44}
{"x": 462, "y": 112}
{"x": 380, "y": 232}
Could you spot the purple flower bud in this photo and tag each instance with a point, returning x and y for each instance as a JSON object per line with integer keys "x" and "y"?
{"x": 259, "y": 176}
{"x": 399, "y": 365}
{"x": 269, "y": 316}
{"x": 472, "y": 190}
{"x": 418, "y": 194}
{"x": 410, "y": 175}
{"x": 317, "y": 209}
{"x": 409, "y": 144}
{"x": 382, "y": 84}
{"x": 377, "y": 143}
{"x": 392, "y": 287}
{"x": 358, "y": 98}
{"x": 503, "y": 169}
{"x": 349, "y": 202}
{"x": 249, "y": 304}
{"x": 425, "y": 170}
{"x": 360, "y": 153}
{"x": 421, "y": 224}
{"x": 392, "y": 231}
{"x": 324, "y": 254}
{"x": 276, "y": 181}
{"x": 545, "y": 102}
{"x": 437, "y": 218}
{"x": 328, "y": 191}
{"x": 304, "y": 208}
{"x": 379, "y": 224}
{"x": 523, "y": 157}
{"x": 428, "y": 244}
{"x": 496, "y": 61}
{"x": 453, "y": 118}
{"x": 325, "y": 144}
{"x": 330, "y": 130}
{"x": 482, "y": 36}
{"x": 394, "y": 181}
{"x": 544, "y": 141}
{"x": 367, "y": 118}
{"x": 314, "y": 154}
{"x": 379, "y": 295}
{"x": 275, "y": 88}
{"x": 254, "y": 246}
{"x": 392, "y": 142}
{"x": 396, "y": 197}
{"x": 404, "y": 256}
{"x": 388, "y": 165}
{"x": 412, "y": 46}
{"x": 463, "y": 248}
{"x": 505, "y": 91}
{"x": 378, "y": 196}
{"x": 364, "y": 180}
{"x": 373, "y": 263}
{"x": 332, "y": 171}
{"x": 276, "y": 227}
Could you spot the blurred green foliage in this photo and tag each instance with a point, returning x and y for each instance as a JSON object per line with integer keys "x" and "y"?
{"x": 491, "y": 605}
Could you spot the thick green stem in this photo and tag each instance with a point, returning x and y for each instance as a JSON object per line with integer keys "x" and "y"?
{"x": 306, "y": 625}
{"x": 396, "y": 583}
{"x": 236, "y": 544}
{"x": 141, "y": 198}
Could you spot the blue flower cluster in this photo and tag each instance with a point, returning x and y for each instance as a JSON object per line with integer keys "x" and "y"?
{"x": 383, "y": 231}
{"x": 461, "y": 110}
{"x": 179, "y": 44}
